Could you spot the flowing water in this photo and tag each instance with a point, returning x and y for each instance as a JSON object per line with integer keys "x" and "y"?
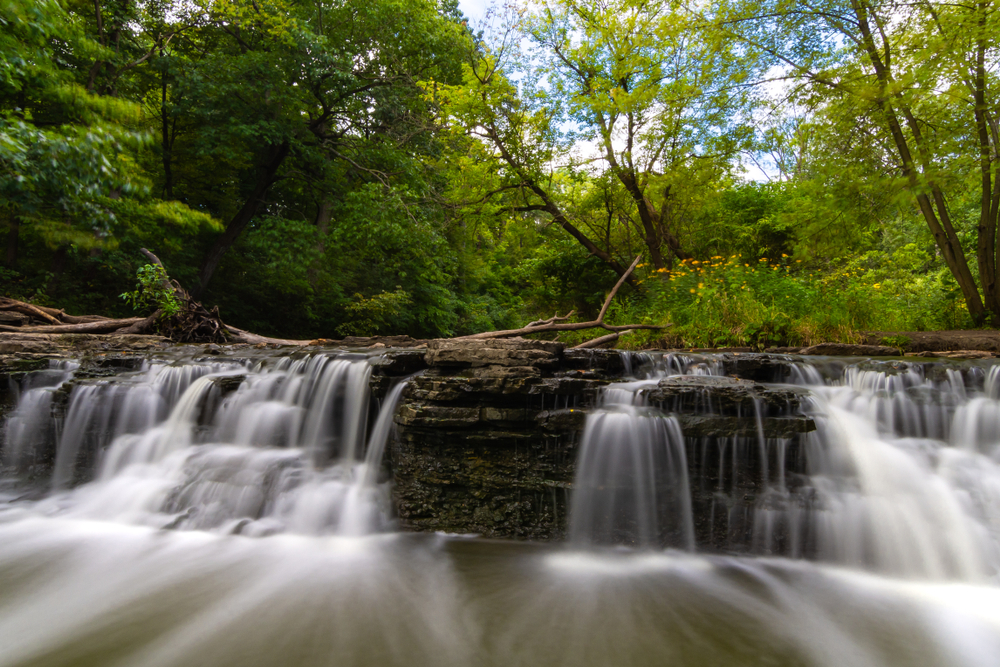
{"x": 236, "y": 512}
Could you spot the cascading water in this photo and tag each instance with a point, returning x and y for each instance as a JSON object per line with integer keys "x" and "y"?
{"x": 279, "y": 550}
{"x": 904, "y": 472}
{"x": 279, "y": 453}
{"x": 631, "y": 484}
{"x": 900, "y": 476}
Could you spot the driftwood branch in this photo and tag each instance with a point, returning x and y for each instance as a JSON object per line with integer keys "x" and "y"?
{"x": 102, "y": 326}
{"x": 241, "y": 336}
{"x": 559, "y": 323}
{"x": 600, "y": 340}
{"x": 28, "y": 309}
{"x": 551, "y": 320}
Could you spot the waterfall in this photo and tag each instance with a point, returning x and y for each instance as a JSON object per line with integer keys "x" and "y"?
{"x": 901, "y": 474}
{"x": 631, "y": 485}
{"x": 233, "y": 447}
{"x": 236, "y": 512}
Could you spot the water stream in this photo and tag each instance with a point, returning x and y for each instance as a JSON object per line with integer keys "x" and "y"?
{"x": 237, "y": 512}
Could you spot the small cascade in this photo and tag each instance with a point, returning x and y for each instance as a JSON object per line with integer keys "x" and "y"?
{"x": 648, "y": 365}
{"x": 631, "y": 484}
{"x": 279, "y": 446}
{"x": 887, "y": 466}
{"x": 31, "y": 424}
{"x": 901, "y": 473}
{"x": 98, "y": 411}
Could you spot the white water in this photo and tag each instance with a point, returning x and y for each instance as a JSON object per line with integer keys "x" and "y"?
{"x": 281, "y": 453}
{"x": 284, "y": 558}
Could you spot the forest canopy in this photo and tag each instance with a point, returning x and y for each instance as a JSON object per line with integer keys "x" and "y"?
{"x": 788, "y": 172}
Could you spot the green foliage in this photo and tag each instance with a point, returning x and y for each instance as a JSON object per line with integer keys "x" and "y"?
{"x": 374, "y": 315}
{"x": 151, "y": 292}
{"x": 898, "y": 342}
{"x": 732, "y": 302}
{"x": 438, "y": 183}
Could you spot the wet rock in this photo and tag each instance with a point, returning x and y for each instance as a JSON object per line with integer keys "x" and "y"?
{"x": 399, "y": 362}
{"x": 436, "y": 416}
{"x": 718, "y": 426}
{"x": 605, "y": 363}
{"x": 569, "y": 386}
{"x": 494, "y": 371}
{"x": 757, "y": 367}
{"x": 846, "y": 350}
{"x": 500, "y": 352}
{"x": 568, "y": 420}
{"x": 723, "y": 395}
{"x": 497, "y": 483}
{"x": 227, "y": 384}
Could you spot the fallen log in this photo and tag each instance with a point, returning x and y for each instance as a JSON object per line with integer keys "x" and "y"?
{"x": 559, "y": 324}
{"x": 53, "y": 316}
{"x": 27, "y": 309}
{"x": 241, "y": 336}
{"x": 100, "y": 327}
{"x": 599, "y": 341}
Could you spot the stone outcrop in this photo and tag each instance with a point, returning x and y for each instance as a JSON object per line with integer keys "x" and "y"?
{"x": 487, "y": 438}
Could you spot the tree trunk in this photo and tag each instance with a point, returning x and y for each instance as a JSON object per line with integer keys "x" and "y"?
{"x": 938, "y": 221}
{"x": 275, "y": 156}
{"x": 102, "y": 326}
{"x": 987, "y": 250}
{"x": 168, "y": 174}
{"x": 13, "y": 234}
{"x": 550, "y": 207}
{"x": 323, "y": 216}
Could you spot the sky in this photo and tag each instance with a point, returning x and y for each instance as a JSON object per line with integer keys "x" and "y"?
{"x": 474, "y": 9}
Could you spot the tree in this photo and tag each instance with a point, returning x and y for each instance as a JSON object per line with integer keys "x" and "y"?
{"x": 638, "y": 81}
{"x": 924, "y": 72}
{"x": 653, "y": 90}
{"x": 63, "y": 150}
{"x": 302, "y": 90}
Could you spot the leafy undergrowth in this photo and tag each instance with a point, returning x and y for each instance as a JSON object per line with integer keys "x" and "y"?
{"x": 730, "y": 302}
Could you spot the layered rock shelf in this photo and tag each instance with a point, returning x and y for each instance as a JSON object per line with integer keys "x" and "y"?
{"x": 487, "y": 437}
{"x": 487, "y": 432}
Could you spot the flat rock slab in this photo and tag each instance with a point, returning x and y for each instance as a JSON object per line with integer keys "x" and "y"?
{"x": 940, "y": 341}
{"x": 846, "y": 350}
{"x": 955, "y": 354}
{"x": 719, "y": 426}
{"x": 54, "y": 344}
{"x": 724, "y": 395}
{"x": 493, "y": 352}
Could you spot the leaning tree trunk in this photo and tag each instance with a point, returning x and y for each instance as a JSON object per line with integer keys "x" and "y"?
{"x": 13, "y": 232}
{"x": 276, "y": 155}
